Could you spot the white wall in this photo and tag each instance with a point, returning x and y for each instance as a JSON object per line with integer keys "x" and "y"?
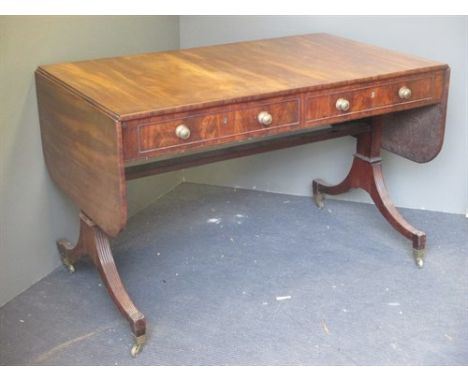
{"x": 440, "y": 185}
{"x": 34, "y": 213}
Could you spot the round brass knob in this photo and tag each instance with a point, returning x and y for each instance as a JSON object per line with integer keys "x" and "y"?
{"x": 404, "y": 92}
{"x": 265, "y": 118}
{"x": 342, "y": 104}
{"x": 182, "y": 131}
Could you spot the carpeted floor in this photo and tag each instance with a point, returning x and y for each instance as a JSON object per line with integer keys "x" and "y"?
{"x": 236, "y": 277}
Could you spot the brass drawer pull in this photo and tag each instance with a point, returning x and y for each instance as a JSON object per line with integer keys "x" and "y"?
{"x": 265, "y": 118}
{"x": 183, "y": 132}
{"x": 404, "y": 92}
{"x": 342, "y": 104}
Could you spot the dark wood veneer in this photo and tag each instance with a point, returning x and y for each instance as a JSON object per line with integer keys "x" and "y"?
{"x": 156, "y": 136}
{"x": 83, "y": 152}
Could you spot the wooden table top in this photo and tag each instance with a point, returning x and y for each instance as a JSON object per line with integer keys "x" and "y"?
{"x": 157, "y": 83}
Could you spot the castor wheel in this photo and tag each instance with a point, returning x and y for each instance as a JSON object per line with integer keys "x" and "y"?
{"x": 319, "y": 199}
{"x": 420, "y": 263}
{"x": 64, "y": 248}
{"x": 137, "y": 346}
{"x": 136, "y": 349}
{"x": 419, "y": 257}
{"x": 70, "y": 268}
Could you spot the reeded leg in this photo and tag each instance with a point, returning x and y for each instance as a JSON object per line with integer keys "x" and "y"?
{"x": 366, "y": 174}
{"x": 380, "y": 196}
{"x": 95, "y": 243}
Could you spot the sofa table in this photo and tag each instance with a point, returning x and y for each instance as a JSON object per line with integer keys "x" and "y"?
{"x": 109, "y": 120}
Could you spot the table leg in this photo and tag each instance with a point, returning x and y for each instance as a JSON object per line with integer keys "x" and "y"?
{"x": 366, "y": 174}
{"x": 93, "y": 242}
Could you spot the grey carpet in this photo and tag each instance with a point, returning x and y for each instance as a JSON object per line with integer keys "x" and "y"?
{"x": 206, "y": 265}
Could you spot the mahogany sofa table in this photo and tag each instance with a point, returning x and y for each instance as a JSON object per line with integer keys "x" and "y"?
{"x": 109, "y": 120}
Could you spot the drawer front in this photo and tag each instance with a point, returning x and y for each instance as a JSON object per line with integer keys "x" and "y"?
{"x": 218, "y": 126}
{"x": 369, "y": 100}
{"x": 202, "y": 127}
{"x": 282, "y": 114}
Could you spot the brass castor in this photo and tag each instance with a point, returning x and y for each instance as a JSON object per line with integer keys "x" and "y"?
{"x": 319, "y": 199}
{"x": 71, "y": 268}
{"x": 137, "y": 346}
{"x": 64, "y": 246}
{"x": 67, "y": 264}
{"x": 419, "y": 257}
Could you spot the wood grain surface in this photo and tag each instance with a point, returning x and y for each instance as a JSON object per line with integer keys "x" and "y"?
{"x": 83, "y": 151}
{"x": 158, "y": 83}
{"x": 155, "y": 136}
{"x": 418, "y": 134}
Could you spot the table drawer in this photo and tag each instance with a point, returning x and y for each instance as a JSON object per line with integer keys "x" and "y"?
{"x": 282, "y": 114}
{"x": 183, "y": 131}
{"x": 369, "y": 100}
{"x": 227, "y": 124}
